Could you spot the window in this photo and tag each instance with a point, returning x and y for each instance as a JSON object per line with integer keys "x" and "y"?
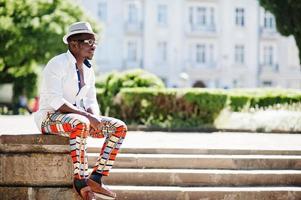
{"x": 234, "y": 83}
{"x": 240, "y": 17}
{"x": 162, "y": 15}
{"x": 239, "y": 54}
{"x": 191, "y": 21}
{"x": 268, "y": 55}
{"x": 204, "y": 54}
{"x": 162, "y": 51}
{"x": 132, "y": 13}
{"x": 267, "y": 83}
{"x": 201, "y": 17}
{"x": 269, "y": 20}
{"x": 211, "y": 54}
{"x": 132, "y": 51}
{"x": 102, "y": 11}
{"x": 211, "y": 16}
{"x": 200, "y": 53}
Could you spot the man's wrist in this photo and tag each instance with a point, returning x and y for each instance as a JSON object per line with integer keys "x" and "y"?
{"x": 86, "y": 114}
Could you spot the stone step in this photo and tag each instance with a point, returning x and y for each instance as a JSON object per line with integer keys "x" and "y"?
{"x": 179, "y": 150}
{"x": 208, "y": 177}
{"x": 206, "y": 193}
{"x": 38, "y": 193}
{"x": 158, "y": 192}
{"x": 169, "y": 161}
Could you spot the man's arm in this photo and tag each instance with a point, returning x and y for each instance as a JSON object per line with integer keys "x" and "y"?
{"x": 53, "y": 75}
{"x": 69, "y": 108}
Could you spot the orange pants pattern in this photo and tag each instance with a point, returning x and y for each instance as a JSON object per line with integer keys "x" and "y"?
{"x": 77, "y": 128}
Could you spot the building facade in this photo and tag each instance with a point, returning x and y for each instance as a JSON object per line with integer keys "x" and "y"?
{"x": 222, "y": 43}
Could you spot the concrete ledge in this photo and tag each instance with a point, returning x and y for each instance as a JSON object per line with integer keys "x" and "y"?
{"x": 35, "y": 160}
{"x": 34, "y": 139}
{"x": 36, "y": 143}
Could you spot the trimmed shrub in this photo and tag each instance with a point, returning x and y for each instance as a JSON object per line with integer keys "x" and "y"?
{"x": 188, "y": 108}
{"x": 170, "y": 108}
{"x": 127, "y": 79}
{"x": 261, "y": 98}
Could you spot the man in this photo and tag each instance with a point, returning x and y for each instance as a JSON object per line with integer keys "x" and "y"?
{"x": 68, "y": 107}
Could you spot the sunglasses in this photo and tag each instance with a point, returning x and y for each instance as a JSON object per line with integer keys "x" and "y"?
{"x": 90, "y": 42}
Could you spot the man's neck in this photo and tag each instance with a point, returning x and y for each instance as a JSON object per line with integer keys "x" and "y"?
{"x": 79, "y": 60}
{"x": 79, "y": 63}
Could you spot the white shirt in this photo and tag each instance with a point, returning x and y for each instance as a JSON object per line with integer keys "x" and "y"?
{"x": 60, "y": 86}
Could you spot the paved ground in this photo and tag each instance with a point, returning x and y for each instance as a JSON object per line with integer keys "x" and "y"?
{"x": 139, "y": 139}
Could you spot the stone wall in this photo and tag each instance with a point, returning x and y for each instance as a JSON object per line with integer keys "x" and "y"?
{"x": 35, "y": 167}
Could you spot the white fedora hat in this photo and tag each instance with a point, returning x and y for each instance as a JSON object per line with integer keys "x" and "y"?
{"x": 78, "y": 27}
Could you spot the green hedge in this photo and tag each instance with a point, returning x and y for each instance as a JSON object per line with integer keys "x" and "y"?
{"x": 111, "y": 85}
{"x": 187, "y": 108}
{"x": 168, "y": 108}
{"x": 240, "y": 99}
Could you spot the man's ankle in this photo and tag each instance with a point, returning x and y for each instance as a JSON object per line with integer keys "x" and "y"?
{"x": 96, "y": 177}
{"x": 79, "y": 184}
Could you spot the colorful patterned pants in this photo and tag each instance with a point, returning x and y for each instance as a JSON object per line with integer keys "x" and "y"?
{"x": 77, "y": 128}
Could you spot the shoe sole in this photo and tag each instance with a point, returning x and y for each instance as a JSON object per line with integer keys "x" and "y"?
{"x": 102, "y": 196}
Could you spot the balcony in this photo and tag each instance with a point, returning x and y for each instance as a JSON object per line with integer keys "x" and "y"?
{"x": 197, "y": 65}
{"x": 132, "y": 64}
{"x": 201, "y": 30}
{"x": 268, "y": 33}
{"x": 133, "y": 28}
{"x": 271, "y": 68}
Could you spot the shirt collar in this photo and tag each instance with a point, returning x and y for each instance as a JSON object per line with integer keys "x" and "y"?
{"x": 72, "y": 59}
{"x": 87, "y": 63}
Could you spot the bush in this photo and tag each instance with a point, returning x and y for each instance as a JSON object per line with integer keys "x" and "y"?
{"x": 239, "y": 102}
{"x": 170, "y": 108}
{"x": 189, "y": 108}
{"x": 261, "y": 98}
{"x": 127, "y": 79}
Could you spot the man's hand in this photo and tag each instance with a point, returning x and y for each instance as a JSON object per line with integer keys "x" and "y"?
{"x": 94, "y": 121}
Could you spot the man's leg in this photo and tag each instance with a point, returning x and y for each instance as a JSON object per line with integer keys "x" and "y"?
{"x": 76, "y": 127}
{"x": 114, "y": 131}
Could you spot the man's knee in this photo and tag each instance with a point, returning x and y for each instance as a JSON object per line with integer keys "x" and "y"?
{"x": 122, "y": 125}
{"x": 82, "y": 125}
{"x": 121, "y": 128}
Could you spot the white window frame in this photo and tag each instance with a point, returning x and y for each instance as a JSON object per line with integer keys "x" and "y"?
{"x": 240, "y": 16}
{"x": 162, "y": 14}
{"x": 132, "y": 51}
{"x": 268, "y": 55}
{"x": 200, "y": 54}
{"x": 211, "y": 54}
{"x": 201, "y": 16}
{"x": 211, "y": 16}
{"x": 239, "y": 54}
{"x": 269, "y": 21}
{"x": 132, "y": 11}
{"x": 162, "y": 51}
{"x": 267, "y": 83}
{"x": 102, "y": 10}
